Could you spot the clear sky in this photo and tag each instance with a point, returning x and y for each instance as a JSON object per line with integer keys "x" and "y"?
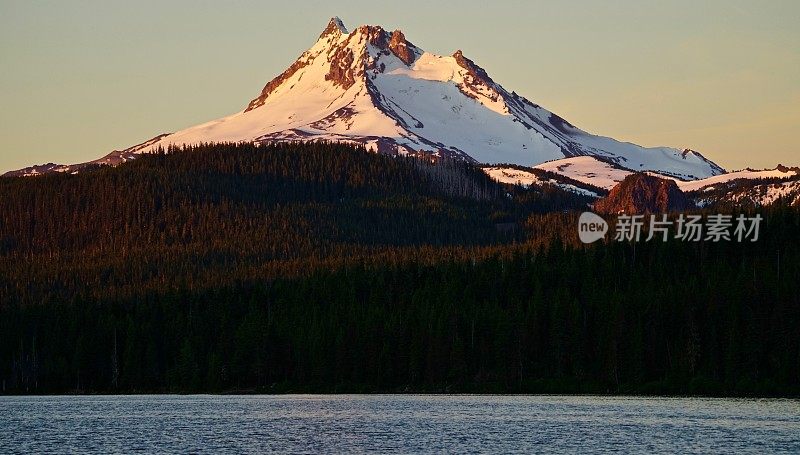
{"x": 80, "y": 78}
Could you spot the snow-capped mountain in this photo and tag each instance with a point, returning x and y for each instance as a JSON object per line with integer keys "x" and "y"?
{"x": 376, "y": 88}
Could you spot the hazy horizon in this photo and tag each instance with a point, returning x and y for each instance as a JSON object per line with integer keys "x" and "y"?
{"x": 85, "y": 78}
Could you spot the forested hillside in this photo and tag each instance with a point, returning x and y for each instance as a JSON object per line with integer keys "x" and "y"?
{"x": 326, "y": 268}
{"x": 222, "y": 214}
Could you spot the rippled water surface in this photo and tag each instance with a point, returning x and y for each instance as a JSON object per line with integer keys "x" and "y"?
{"x": 395, "y": 423}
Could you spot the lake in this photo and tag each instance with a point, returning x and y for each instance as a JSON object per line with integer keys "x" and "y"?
{"x": 395, "y": 424}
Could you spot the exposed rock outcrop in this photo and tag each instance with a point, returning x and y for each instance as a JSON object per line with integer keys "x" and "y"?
{"x": 642, "y": 193}
{"x": 400, "y": 47}
{"x": 342, "y": 72}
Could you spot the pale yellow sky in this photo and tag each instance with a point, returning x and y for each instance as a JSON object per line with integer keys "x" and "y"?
{"x": 82, "y": 78}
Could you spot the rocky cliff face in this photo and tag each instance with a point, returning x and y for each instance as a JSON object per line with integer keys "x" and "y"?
{"x": 402, "y": 48}
{"x": 642, "y": 193}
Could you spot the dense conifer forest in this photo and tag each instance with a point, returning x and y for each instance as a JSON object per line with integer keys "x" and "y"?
{"x": 325, "y": 268}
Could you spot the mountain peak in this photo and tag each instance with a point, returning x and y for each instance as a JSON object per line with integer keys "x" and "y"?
{"x": 335, "y": 26}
